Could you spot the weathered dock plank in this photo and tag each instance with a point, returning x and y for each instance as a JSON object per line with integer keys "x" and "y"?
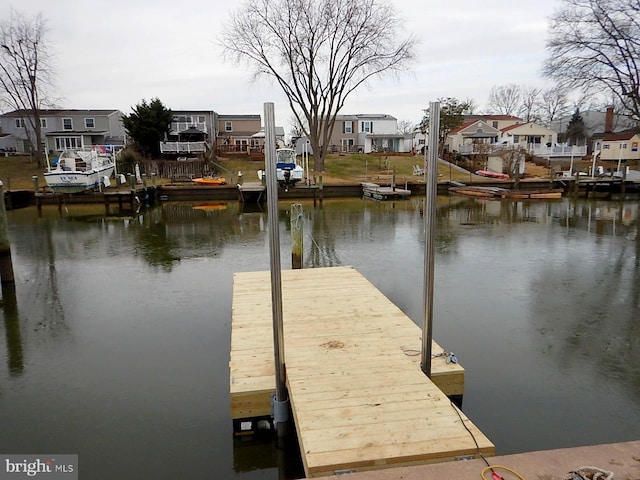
{"x": 358, "y": 396}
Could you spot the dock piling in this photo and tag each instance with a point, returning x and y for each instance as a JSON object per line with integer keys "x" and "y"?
{"x": 296, "y": 235}
{"x": 6, "y": 265}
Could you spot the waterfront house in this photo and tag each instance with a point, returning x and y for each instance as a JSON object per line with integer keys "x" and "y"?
{"x": 620, "y": 146}
{"x": 65, "y": 128}
{"x": 191, "y": 132}
{"x": 496, "y": 121}
{"x": 530, "y": 135}
{"x": 367, "y": 133}
{"x": 475, "y": 136}
{"x": 235, "y": 133}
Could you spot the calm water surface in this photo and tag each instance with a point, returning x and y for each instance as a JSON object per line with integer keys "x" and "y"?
{"x": 116, "y": 337}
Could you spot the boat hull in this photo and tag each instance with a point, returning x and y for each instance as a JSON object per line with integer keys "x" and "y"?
{"x": 75, "y": 181}
{"x": 209, "y": 181}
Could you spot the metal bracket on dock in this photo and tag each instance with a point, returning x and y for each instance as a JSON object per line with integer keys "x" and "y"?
{"x": 279, "y": 410}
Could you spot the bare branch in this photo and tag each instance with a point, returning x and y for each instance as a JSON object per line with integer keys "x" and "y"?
{"x": 594, "y": 46}
{"x": 25, "y": 72}
{"x": 319, "y": 52}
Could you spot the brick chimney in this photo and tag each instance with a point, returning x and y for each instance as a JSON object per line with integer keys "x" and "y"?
{"x": 608, "y": 120}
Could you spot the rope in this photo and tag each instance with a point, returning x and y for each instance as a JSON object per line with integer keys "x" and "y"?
{"x": 494, "y": 474}
{"x": 451, "y": 358}
{"x": 589, "y": 473}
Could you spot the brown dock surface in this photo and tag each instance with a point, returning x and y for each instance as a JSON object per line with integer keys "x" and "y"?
{"x": 358, "y": 396}
{"x": 622, "y": 459}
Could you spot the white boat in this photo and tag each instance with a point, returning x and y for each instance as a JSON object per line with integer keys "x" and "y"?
{"x": 288, "y": 170}
{"x": 82, "y": 169}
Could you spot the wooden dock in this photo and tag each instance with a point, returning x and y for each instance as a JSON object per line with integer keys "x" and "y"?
{"x": 358, "y": 396}
{"x": 378, "y": 192}
{"x": 251, "y": 192}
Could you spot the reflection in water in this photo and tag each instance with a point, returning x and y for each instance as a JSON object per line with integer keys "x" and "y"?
{"x": 121, "y": 349}
{"x": 12, "y": 328}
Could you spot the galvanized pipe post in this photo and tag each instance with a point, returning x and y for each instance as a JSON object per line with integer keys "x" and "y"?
{"x": 280, "y": 401}
{"x": 431, "y": 191}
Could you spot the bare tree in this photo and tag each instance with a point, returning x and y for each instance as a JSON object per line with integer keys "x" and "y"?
{"x": 504, "y": 99}
{"x": 297, "y": 130}
{"x": 594, "y": 45}
{"x": 406, "y": 127}
{"x": 554, "y": 103}
{"x": 529, "y": 104}
{"x": 319, "y": 52}
{"x": 471, "y": 104}
{"x": 25, "y": 73}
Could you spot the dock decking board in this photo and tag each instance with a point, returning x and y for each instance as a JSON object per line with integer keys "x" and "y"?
{"x": 358, "y": 396}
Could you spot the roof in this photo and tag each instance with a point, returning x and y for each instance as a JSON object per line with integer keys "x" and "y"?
{"x": 76, "y": 132}
{"x": 239, "y": 117}
{"x": 59, "y": 112}
{"x": 511, "y": 127}
{"x": 471, "y": 123}
{"x": 492, "y": 117}
{"x": 626, "y": 135}
{"x": 462, "y": 127}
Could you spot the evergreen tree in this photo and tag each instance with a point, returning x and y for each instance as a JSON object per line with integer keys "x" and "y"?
{"x": 147, "y": 125}
{"x": 576, "y": 129}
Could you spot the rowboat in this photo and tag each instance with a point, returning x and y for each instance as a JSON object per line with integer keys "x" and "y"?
{"x": 489, "y": 173}
{"x": 209, "y": 181}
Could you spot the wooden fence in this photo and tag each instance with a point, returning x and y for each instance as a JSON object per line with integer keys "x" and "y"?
{"x": 174, "y": 169}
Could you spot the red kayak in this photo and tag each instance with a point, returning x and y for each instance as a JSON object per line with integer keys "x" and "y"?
{"x": 488, "y": 173}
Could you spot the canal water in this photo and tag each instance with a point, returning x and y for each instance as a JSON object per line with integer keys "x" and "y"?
{"x": 116, "y": 335}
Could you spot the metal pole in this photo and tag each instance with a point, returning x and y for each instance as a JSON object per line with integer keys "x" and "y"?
{"x": 280, "y": 402}
{"x": 431, "y": 190}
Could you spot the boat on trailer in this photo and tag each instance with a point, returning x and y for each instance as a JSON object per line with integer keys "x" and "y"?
{"x": 288, "y": 170}
{"x": 80, "y": 169}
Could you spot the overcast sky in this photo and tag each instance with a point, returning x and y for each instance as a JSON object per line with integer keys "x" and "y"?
{"x": 112, "y": 54}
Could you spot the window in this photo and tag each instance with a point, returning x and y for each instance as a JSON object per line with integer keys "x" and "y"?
{"x": 89, "y": 123}
{"x": 495, "y": 124}
{"x": 19, "y": 123}
{"x": 201, "y": 119}
{"x": 346, "y": 144}
{"x": 348, "y": 127}
{"x": 228, "y": 127}
{"x": 623, "y": 146}
{"x": 43, "y": 122}
{"x": 367, "y": 127}
{"x": 516, "y": 139}
{"x": 64, "y": 143}
{"x": 67, "y": 124}
{"x": 605, "y": 146}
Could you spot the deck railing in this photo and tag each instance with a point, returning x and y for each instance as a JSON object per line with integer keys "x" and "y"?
{"x": 183, "y": 147}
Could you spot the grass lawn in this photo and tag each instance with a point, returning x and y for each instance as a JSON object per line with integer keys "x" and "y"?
{"x": 17, "y": 172}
